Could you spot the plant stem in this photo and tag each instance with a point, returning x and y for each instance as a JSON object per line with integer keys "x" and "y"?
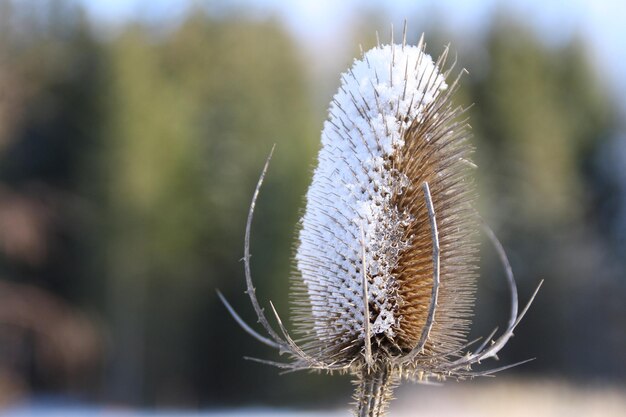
{"x": 373, "y": 392}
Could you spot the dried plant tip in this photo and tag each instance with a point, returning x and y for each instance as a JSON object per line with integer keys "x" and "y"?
{"x": 385, "y": 143}
{"x": 387, "y": 248}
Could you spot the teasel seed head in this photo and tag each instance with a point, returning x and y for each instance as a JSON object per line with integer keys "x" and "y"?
{"x": 391, "y": 128}
{"x": 388, "y": 244}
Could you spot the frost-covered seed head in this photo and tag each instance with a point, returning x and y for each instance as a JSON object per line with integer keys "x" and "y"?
{"x": 391, "y": 128}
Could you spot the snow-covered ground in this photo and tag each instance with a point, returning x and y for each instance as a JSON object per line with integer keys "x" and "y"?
{"x": 485, "y": 398}
{"x": 103, "y": 412}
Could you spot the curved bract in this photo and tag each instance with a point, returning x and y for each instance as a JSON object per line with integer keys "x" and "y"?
{"x": 387, "y": 247}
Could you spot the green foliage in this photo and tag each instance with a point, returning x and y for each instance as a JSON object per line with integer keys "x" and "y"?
{"x": 539, "y": 110}
{"x": 541, "y": 115}
{"x": 190, "y": 120}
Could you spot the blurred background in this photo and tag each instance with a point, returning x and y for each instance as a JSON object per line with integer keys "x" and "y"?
{"x": 132, "y": 134}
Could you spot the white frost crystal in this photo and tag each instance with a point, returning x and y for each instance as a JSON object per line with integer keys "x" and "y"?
{"x": 352, "y": 190}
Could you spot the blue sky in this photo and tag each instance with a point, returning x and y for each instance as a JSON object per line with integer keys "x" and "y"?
{"x": 316, "y": 22}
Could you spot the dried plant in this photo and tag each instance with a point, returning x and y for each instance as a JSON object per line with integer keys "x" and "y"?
{"x": 387, "y": 255}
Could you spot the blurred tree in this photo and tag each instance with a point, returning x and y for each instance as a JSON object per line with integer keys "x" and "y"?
{"x": 192, "y": 116}
{"x": 541, "y": 116}
{"x": 49, "y": 75}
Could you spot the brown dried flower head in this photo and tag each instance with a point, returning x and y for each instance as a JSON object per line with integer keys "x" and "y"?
{"x": 387, "y": 251}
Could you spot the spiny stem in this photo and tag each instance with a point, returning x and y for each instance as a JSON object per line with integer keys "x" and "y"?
{"x": 374, "y": 391}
